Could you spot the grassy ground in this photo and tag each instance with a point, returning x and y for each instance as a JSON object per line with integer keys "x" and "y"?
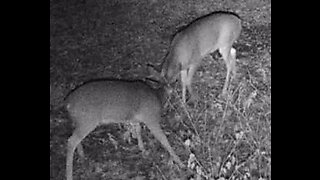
{"x": 218, "y": 139}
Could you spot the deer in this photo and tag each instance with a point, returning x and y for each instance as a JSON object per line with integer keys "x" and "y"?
{"x": 213, "y": 32}
{"x": 102, "y": 102}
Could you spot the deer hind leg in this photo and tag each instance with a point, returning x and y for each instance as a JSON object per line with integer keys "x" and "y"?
{"x": 232, "y": 56}
{"x": 191, "y": 70}
{"x": 73, "y": 142}
{"x": 184, "y": 82}
{"x": 229, "y": 57}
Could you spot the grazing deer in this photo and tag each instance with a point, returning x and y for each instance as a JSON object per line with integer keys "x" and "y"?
{"x": 216, "y": 31}
{"x": 114, "y": 101}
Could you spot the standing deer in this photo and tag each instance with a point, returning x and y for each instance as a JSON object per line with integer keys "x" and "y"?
{"x": 216, "y": 31}
{"x": 114, "y": 101}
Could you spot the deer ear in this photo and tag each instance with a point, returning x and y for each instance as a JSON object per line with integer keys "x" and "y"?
{"x": 154, "y": 73}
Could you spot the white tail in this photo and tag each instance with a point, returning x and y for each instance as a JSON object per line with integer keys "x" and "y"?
{"x": 114, "y": 101}
{"x": 216, "y": 31}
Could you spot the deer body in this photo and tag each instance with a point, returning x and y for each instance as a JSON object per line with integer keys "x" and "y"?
{"x": 114, "y": 101}
{"x": 217, "y": 31}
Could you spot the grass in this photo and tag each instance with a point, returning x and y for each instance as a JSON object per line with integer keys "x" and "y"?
{"x": 216, "y": 138}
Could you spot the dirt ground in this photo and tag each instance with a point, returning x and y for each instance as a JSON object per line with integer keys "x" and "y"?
{"x": 216, "y": 138}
